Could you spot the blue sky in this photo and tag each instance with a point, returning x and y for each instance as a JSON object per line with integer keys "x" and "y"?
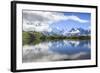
{"x": 68, "y": 24}
{"x": 48, "y": 21}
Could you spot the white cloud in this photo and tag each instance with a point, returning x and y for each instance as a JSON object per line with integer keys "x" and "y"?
{"x": 40, "y": 20}
{"x": 75, "y": 18}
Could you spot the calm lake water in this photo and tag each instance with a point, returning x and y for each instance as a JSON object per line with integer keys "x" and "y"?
{"x": 57, "y": 51}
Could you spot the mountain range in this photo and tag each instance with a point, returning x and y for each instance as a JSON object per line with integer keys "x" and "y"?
{"x": 71, "y": 32}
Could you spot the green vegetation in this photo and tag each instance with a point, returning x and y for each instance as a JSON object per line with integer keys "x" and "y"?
{"x": 26, "y": 37}
{"x": 31, "y": 37}
{"x": 37, "y": 37}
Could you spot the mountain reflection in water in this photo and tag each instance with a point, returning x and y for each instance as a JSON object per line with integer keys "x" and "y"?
{"x": 57, "y": 51}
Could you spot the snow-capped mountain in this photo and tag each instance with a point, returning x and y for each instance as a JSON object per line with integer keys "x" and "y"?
{"x": 74, "y": 31}
{"x": 77, "y": 32}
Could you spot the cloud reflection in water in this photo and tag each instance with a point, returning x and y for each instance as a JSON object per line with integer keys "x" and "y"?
{"x": 57, "y": 51}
